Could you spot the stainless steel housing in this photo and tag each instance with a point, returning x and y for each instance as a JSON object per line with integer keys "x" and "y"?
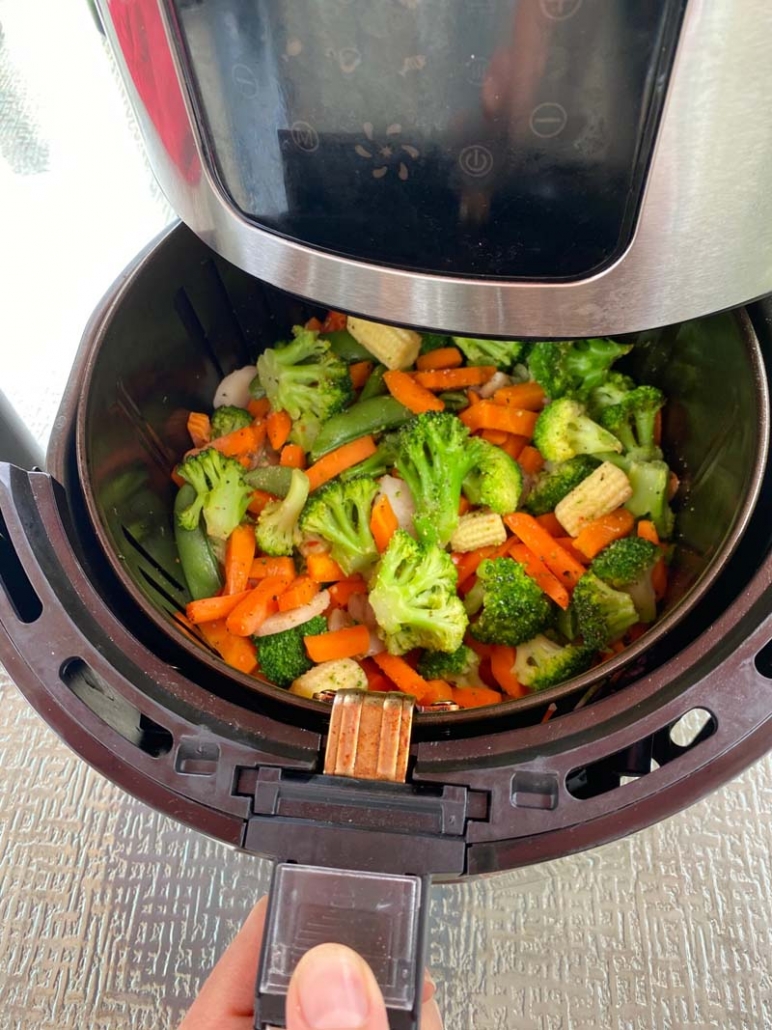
{"x": 703, "y": 240}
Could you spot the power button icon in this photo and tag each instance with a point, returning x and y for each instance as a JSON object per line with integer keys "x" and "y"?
{"x": 476, "y": 160}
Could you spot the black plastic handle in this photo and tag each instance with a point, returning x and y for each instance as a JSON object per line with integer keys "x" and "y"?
{"x": 382, "y": 917}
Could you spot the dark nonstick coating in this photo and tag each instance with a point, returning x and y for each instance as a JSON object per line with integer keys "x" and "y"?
{"x": 184, "y": 318}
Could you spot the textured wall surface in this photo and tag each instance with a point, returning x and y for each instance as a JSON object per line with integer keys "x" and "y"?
{"x": 111, "y": 914}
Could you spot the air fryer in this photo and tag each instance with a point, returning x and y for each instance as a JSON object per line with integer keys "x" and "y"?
{"x": 565, "y": 233}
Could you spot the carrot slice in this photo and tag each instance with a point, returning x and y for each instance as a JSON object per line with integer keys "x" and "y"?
{"x": 177, "y": 479}
{"x": 341, "y": 458}
{"x": 259, "y": 408}
{"x": 540, "y": 574}
{"x": 278, "y": 425}
{"x": 342, "y": 591}
{"x": 292, "y": 456}
{"x": 495, "y": 436}
{"x": 383, "y": 522}
{"x": 454, "y": 378}
{"x": 514, "y": 445}
{"x": 531, "y": 460}
{"x": 659, "y": 579}
{"x": 303, "y": 590}
{"x": 241, "y": 442}
{"x": 314, "y": 325}
{"x": 407, "y": 391}
{"x": 468, "y": 562}
{"x": 438, "y": 690}
{"x": 502, "y": 662}
{"x": 200, "y": 428}
{"x": 555, "y": 557}
{"x": 239, "y": 553}
{"x": 334, "y": 322}
{"x": 247, "y": 617}
{"x": 473, "y": 397}
{"x": 648, "y": 531}
{"x": 602, "y": 531}
{"x": 527, "y": 396}
{"x": 475, "y": 697}
{"x": 259, "y": 500}
{"x": 238, "y": 652}
{"x": 489, "y": 415}
{"x": 350, "y": 642}
{"x": 480, "y": 649}
{"x": 567, "y": 543}
{"x": 210, "y": 609}
{"x": 264, "y": 567}
{"x": 360, "y": 373}
{"x": 443, "y": 357}
{"x": 551, "y": 524}
{"x": 322, "y": 569}
{"x": 375, "y": 678}
{"x": 463, "y": 505}
{"x": 401, "y": 674}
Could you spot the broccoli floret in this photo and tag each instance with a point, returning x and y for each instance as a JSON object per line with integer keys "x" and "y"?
{"x": 229, "y": 418}
{"x": 564, "y": 429}
{"x": 413, "y": 595}
{"x": 340, "y": 514}
{"x": 632, "y": 421}
{"x": 650, "y": 481}
{"x": 461, "y": 667}
{"x": 504, "y": 354}
{"x": 277, "y": 527}
{"x": 435, "y": 454}
{"x": 602, "y": 613}
{"x": 541, "y": 663}
{"x": 282, "y": 656}
{"x": 626, "y": 565}
{"x": 496, "y": 481}
{"x": 222, "y": 493}
{"x": 556, "y": 483}
{"x": 573, "y": 368}
{"x": 305, "y": 379}
{"x": 623, "y": 561}
{"x": 514, "y": 608}
{"x": 615, "y": 388}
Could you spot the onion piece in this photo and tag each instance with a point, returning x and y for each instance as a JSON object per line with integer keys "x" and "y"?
{"x": 496, "y": 382}
{"x": 295, "y": 617}
{"x": 339, "y": 618}
{"x": 401, "y": 501}
{"x": 377, "y": 646}
{"x": 234, "y": 388}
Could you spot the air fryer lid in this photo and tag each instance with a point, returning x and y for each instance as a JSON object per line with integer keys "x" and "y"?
{"x": 240, "y": 761}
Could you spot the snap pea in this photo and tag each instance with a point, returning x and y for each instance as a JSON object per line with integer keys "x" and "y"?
{"x": 274, "y": 479}
{"x": 199, "y": 566}
{"x": 343, "y": 344}
{"x": 371, "y": 416}
{"x": 455, "y": 400}
{"x": 375, "y": 386}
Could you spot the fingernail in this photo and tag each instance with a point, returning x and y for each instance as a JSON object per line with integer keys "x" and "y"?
{"x": 332, "y": 989}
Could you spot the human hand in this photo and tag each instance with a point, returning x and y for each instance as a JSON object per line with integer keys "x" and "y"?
{"x": 331, "y": 989}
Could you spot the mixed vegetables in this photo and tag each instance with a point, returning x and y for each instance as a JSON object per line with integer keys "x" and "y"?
{"x": 461, "y": 519}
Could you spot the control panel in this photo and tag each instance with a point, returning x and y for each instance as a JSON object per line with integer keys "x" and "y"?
{"x": 502, "y": 138}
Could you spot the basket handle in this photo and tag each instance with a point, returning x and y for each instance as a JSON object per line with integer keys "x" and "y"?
{"x": 382, "y": 917}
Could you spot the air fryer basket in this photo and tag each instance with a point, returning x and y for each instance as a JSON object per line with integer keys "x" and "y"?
{"x": 165, "y": 349}
{"x": 87, "y": 565}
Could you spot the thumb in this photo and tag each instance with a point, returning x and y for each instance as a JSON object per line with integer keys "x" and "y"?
{"x": 332, "y": 988}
